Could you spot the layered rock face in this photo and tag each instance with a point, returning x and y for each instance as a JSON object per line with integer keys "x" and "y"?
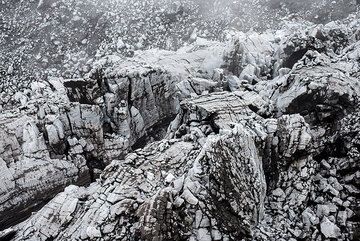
{"x": 263, "y": 143}
{"x": 66, "y": 131}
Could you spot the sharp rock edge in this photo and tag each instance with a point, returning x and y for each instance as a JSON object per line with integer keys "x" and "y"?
{"x": 263, "y": 143}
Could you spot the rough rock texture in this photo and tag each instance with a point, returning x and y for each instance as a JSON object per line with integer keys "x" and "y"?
{"x": 160, "y": 193}
{"x": 264, "y": 146}
{"x": 40, "y": 38}
{"x": 71, "y": 129}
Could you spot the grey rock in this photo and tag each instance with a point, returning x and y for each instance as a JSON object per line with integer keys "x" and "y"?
{"x": 322, "y": 210}
{"x": 342, "y": 218}
{"x": 172, "y": 154}
{"x": 329, "y": 229}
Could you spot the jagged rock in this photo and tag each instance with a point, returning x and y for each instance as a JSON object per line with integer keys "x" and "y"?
{"x": 329, "y": 229}
{"x": 264, "y": 145}
{"x": 309, "y": 218}
{"x": 322, "y": 210}
{"x": 319, "y": 92}
{"x": 151, "y": 200}
{"x": 342, "y": 218}
{"x": 278, "y": 193}
{"x": 64, "y": 130}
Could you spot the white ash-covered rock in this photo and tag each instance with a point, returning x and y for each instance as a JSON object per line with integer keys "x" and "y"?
{"x": 254, "y": 138}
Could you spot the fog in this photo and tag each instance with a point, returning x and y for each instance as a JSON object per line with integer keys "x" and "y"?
{"x": 62, "y": 37}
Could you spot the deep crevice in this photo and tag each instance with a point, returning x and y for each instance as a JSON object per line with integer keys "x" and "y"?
{"x": 294, "y": 58}
{"x": 154, "y": 133}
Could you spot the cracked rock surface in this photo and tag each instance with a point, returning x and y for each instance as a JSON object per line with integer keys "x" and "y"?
{"x": 253, "y": 138}
{"x": 69, "y": 130}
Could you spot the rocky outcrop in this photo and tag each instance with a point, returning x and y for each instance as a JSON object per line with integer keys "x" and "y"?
{"x": 263, "y": 143}
{"x": 71, "y": 129}
{"x": 160, "y": 193}
{"x": 26, "y": 155}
